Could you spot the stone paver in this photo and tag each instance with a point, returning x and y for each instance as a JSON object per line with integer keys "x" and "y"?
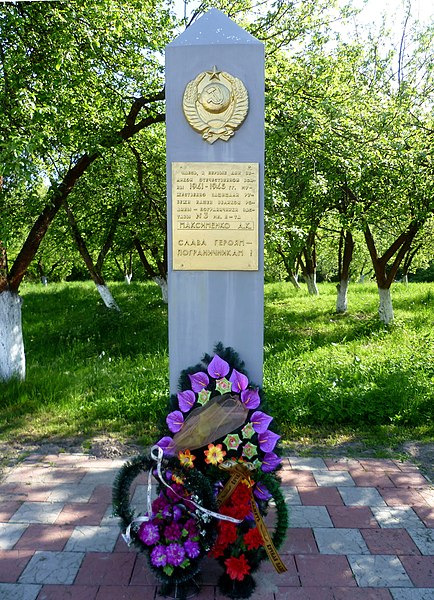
{"x": 52, "y": 567}
{"x": 359, "y": 529}
{"x": 412, "y": 594}
{"x": 90, "y": 538}
{"x": 37, "y": 512}
{"x": 10, "y": 533}
{"x": 397, "y": 517}
{"x": 364, "y": 496}
{"x": 340, "y": 541}
{"x": 307, "y": 464}
{"x": 291, "y": 495}
{"x": 14, "y": 591}
{"x": 424, "y": 540}
{"x": 389, "y": 541}
{"x": 379, "y": 571}
{"x": 333, "y": 478}
{"x": 309, "y": 516}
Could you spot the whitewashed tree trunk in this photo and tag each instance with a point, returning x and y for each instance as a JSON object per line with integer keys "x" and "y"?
{"x": 385, "y": 310}
{"x": 341, "y": 300}
{"x": 404, "y": 280}
{"x": 128, "y": 277}
{"x": 44, "y": 280}
{"x": 107, "y": 297}
{"x": 162, "y": 283}
{"x": 12, "y": 358}
{"x": 294, "y": 280}
{"x": 312, "y": 288}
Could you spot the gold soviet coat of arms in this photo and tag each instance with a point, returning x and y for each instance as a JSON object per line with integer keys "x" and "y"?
{"x": 215, "y": 104}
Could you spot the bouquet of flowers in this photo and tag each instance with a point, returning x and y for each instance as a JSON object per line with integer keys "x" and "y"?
{"x": 217, "y": 427}
{"x": 177, "y": 529}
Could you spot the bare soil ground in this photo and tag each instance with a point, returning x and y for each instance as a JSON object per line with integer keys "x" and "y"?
{"x": 419, "y": 453}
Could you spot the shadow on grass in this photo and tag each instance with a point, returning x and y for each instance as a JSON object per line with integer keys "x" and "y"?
{"x": 87, "y": 366}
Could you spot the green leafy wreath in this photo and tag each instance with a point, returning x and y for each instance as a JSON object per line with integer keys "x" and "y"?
{"x": 199, "y": 489}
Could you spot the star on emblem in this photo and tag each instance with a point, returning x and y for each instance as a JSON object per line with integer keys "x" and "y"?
{"x": 214, "y": 73}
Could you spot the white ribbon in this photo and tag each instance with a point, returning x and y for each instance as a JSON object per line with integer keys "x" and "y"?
{"x": 157, "y": 454}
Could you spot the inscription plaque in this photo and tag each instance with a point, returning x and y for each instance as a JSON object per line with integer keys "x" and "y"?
{"x": 215, "y": 212}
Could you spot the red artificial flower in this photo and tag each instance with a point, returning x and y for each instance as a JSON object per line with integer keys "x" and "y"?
{"x": 227, "y": 532}
{"x": 253, "y": 539}
{"x": 239, "y": 503}
{"x": 237, "y": 568}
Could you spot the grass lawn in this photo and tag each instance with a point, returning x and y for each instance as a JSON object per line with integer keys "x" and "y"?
{"x": 329, "y": 379}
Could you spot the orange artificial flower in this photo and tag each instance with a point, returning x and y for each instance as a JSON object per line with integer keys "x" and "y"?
{"x": 186, "y": 459}
{"x": 214, "y": 454}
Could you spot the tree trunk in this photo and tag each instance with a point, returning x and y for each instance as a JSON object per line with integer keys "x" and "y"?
{"x": 346, "y": 248}
{"x": 106, "y": 296}
{"x": 404, "y": 280}
{"x": 12, "y": 358}
{"x": 386, "y": 277}
{"x": 162, "y": 283}
{"x": 12, "y": 352}
{"x": 128, "y": 277}
{"x": 307, "y": 263}
{"x": 312, "y": 288}
{"x": 341, "y": 299}
{"x": 96, "y": 275}
{"x": 385, "y": 309}
{"x": 293, "y": 278}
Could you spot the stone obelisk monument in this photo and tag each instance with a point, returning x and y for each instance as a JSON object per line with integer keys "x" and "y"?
{"x": 215, "y": 163}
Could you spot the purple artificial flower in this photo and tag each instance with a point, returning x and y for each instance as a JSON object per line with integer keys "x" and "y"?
{"x": 175, "y": 554}
{"x": 173, "y": 531}
{"x": 250, "y": 398}
{"x": 218, "y": 367}
{"x": 192, "y": 548}
{"x": 175, "y": 491}
{"x": 167, "y": 445}
{"x": 159, "y": 556}
{"x": 159, "y": 504}
{"x": 198, "y": 381}
{"x": 268, "y": 440}
{"x": 177, "y": 513}
{"x": 239, "y": 381}
{"x": 167, "y": 512}
{"x": 191, "y": 528}
{"x": 149, "y": 534}
{"x": 186, "y": 400}
{"x": 270, "y": 462}
{"x": 175, "y": 421}
{"x": 260, "y": 421}
{"x": 261, "y": 492}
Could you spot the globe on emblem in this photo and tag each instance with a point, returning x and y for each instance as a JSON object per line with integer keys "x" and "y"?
{"x": 215, "y": 98}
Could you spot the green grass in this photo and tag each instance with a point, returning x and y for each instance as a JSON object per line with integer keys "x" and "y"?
{"x": 329, "y": 379}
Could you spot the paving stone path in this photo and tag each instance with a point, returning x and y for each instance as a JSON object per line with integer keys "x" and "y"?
{"x": 359, "y": 530}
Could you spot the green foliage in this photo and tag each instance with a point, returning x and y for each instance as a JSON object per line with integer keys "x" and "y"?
{"x": 325, "y": 369}
{"x": 91, "y": 370}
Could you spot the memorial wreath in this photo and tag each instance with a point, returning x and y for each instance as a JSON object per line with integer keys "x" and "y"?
{"x": 218, "y": 462}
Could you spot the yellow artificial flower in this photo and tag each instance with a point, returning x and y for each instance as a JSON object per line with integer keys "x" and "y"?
{"x": 186, "y": 459}
{"x": 177, "y": 479}
{"x": 214, "y": 454}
